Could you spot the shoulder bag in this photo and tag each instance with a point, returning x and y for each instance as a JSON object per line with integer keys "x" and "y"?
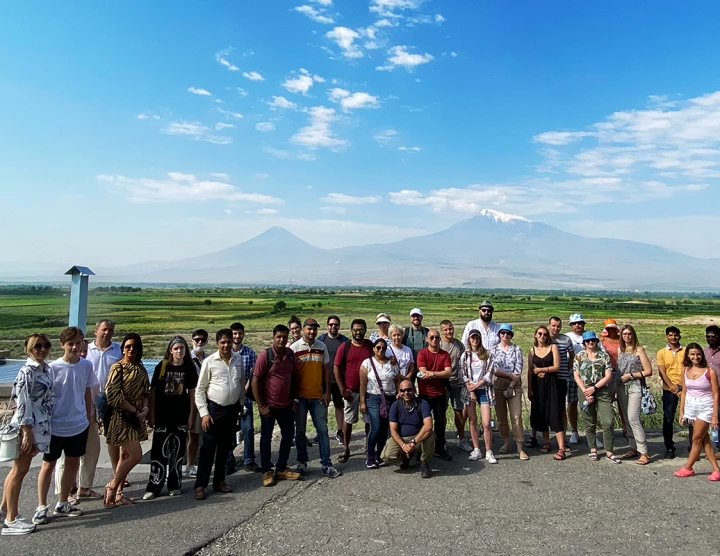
{"x": 648, "y": 405}
{"x": 384, "y": 410}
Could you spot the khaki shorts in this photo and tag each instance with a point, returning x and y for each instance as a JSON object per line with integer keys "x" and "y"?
{"x": 197, "y": 425}
{"x": 352, "y": 410}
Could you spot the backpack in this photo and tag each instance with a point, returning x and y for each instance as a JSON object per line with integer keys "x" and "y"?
{"x": 346, "y": 350}
{"x": 270, "y": 359}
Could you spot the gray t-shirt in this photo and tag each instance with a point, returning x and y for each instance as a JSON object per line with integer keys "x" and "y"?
{"x": 332, "y": 345}
{"x": 455, "y": 349}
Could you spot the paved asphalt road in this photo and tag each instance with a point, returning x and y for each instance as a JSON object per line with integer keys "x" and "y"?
{"x": 535, "y": 507}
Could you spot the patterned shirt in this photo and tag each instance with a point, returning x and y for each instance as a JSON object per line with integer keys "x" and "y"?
{"x": 565, "y": 345}
{"x": 510, "y": 361}
{"x": 592, "y": 371}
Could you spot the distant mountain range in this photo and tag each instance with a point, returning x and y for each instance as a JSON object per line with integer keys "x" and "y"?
{"x": 489, "y": 250}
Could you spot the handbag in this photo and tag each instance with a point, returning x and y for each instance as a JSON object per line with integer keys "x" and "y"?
{"x": 9, "y": 440}
{"x": 648, "y": 405}
{"x": 384, "y": 410}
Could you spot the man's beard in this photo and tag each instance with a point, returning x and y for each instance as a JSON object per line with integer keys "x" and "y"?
{"x": 486, "y": 317}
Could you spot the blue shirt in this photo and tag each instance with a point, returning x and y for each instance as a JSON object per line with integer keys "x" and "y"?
{"x": 249, "y": 357}
{"x": 410, "y": 422}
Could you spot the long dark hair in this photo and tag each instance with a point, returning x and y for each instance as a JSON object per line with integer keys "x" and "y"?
{"x": 686, "y": 360}
{"x": 138, "y": 341}
{"x": 178, "y": 340}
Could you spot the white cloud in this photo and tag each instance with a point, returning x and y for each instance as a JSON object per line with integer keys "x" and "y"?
{"x": 181, "y": 188}
{"x": 439, "y": 18}
{"x": 262, "y": 176}
{"x": 386, "y": 136}
{"x": 561, "y": 137}
{"x": 319, "y": 133}
{"x": 147, "y": 117}
{"x": 220, "y": 175}
{"x": 196, "y": 131}
{"x": 345, "y": 38}
{"x": 220, "y": 125}
{"x": 142, "y": 117}
{"x": 221, "y": 58}
{"x": 227, "y": 211}
{"x": 264, "y": 126}
{"x": 236, "y": 115}
{"x": 393, "y": 8}
{"x": 342, "y": 199}
{"x": 315, "y": 15}
{"x": 281, "y": 102}
{"x": 284, "y": 154}
{"x": 325, "y": 3}
{"x": 352, "y": 101}
{"x": 425, "y": 19}
{"x": 264, "y": 211}
{"x": 242, "y": 92}
{"x": 334, "y": 210}
{"x": 399, "y": 56}
{"x": 301, "y": 83}
{"x": 384, "y": 23}
{"x": 410, "y": 149}
{"x": 253, "y": 76}
{"x": 201, "y": 92}
{"x": 454, "y": 54}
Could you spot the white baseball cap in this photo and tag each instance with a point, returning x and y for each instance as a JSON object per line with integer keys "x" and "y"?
{"x": 415, "y": 311}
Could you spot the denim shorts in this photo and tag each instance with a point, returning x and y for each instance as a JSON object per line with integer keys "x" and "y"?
{"x": 480, "y": 394}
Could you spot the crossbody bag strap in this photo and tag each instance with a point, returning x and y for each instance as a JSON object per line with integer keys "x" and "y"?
{"x": 377, "y": 377}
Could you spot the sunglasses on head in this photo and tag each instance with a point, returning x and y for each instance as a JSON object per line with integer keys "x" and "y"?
{"x": 46, "y": 345}
{"x": 407, "y": 390}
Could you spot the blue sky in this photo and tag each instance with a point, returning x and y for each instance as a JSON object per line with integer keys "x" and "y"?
{"x": 161, "y": 130}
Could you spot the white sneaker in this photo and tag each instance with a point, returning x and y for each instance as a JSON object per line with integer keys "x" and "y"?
{"x": 17, "y": 527}
{"x": 40, "y": 515}
{"x": 176, "y": 492}
{"x": 464, "y": 445}
{"x": 475, "y": 455}
{"x": 192, "y": 471}
{"x": 490, "y": 457}
{"x": 149, "y": 496}
{"x": 599, "y": 443}
{"x": 574, "y": 438}
{"x": 65, "y": 509}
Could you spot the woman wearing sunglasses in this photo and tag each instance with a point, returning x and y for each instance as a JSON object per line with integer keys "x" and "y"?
{"x": 508, "y": 390}
{"x": 546, "y": 392}
{"x": 128, "y": 391}
{"x": 379, "y": 378}
{"x": 32, "y": 395}
{"x": 593, "y": 373}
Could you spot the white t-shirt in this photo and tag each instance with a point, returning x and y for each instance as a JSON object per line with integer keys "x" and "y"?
{"x": 577, "y": 341}
{"x": 477, "y": 368}
{"x": 69, "y": 415}
{"x": 387, "y": 373}
{"x": 404, "y": 357}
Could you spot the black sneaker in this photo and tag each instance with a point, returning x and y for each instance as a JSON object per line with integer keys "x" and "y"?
{"x": 252, "y": 467}
{"x": 670, "y": 454}
{"x": 425, "y": 471}
{"x": 443, "y": 455}
{"x": 405, "y": 463}
{"x": 340, "y": 437}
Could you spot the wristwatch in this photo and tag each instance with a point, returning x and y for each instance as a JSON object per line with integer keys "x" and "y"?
{"x": 413, "y": 441}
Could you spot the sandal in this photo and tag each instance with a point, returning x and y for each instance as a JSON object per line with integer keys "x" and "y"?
{"x": 560, "y": 456}
{"x": 90, "y": 493}
{"x": 523, "y": 456}
{"x": 593, "y": 456}
{"x": 613, "y": 458}
{"x": 123, "y": 500}
{"x": 545, "y": 448}
{"x": 630, "y": 454}
{"x": 110, "y": 495}
{"x": 644, "y": 460}
{"x": 342, "y": 458}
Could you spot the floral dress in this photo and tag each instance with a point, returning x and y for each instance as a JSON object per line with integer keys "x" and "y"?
{"x": 32, "y": 395}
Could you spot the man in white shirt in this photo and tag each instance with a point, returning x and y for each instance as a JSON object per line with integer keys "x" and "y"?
{"x": 219, "y": 395}
{"x": 103, "y": 353}
{"x": 486, "y": 325}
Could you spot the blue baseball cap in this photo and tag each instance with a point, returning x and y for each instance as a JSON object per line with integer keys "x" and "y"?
{"x": 507, "y": 328}
{"x": 589, "y": 335}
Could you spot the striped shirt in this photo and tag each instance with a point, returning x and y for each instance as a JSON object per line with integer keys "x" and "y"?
{"x": 565, "y": 345}
{"x": 310, "y": 361}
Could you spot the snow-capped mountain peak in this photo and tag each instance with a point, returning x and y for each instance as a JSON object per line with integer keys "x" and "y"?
{"x": 498, "y": 216}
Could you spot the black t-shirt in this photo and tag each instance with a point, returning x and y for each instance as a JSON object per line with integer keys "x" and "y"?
{"x": 172, "y": 401}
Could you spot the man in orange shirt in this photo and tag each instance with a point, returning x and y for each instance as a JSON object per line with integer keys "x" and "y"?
{"x": 670, "y": 367}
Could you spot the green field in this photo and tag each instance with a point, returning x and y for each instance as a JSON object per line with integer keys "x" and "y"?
{"x": 159, "y": 313}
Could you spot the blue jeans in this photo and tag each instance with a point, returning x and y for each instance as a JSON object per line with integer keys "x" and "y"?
{"x": 247, "y": 425}
{"x": 379, "y": 426}
{"x": 318, "y": 413}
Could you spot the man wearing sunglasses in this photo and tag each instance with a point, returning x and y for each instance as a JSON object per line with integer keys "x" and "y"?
{"x": 411, "y": 429}
{"x": 333, "y": 340}
{"x": 199, "y": 342}
{"x": 434, "y": 365}
{"x": 486, "y": 325}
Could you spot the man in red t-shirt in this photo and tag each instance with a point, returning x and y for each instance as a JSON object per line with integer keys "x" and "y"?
{"x": 348, "y": 359}
{"x": 434, "y": 365}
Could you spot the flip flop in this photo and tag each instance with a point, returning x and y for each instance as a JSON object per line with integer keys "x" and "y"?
{"x": 643, "y": 461}
{"x": 523, "y": 456}
{"x": 545, "y": 448}
{"x": 593, "y": 456}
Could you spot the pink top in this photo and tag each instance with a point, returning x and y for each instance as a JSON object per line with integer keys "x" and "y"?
{"x": 699, "y": 387}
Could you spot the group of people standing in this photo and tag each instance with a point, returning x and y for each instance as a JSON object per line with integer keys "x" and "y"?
{"x": 399, "y": 381}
